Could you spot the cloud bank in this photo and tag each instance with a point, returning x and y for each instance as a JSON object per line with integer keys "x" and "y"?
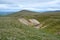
{"x": 33, "y": 5}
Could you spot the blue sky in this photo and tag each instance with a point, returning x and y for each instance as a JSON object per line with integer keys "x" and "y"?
{"x": 33, "y": 5}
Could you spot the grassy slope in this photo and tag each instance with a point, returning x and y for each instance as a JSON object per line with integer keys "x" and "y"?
{"x": 12, "y": 29}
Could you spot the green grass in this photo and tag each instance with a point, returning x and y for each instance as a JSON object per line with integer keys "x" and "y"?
{"x": 12, "y": 29}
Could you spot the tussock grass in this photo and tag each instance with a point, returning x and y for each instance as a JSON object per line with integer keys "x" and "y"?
{"x": 12, "y": 29}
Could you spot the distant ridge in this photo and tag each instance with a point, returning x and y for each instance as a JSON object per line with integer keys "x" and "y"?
{"x": 28, "y": 13}
{"x": 54, "y": 11}
{"x": 23, "y": 12}
{"x": 5, "y": 13}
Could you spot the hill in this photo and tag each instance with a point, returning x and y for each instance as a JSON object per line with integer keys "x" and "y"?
{"x": 23, "y": 13}
{"x": 12, "y": 29}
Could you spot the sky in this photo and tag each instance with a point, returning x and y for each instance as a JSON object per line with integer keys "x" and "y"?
{"x": 33, "y": 5}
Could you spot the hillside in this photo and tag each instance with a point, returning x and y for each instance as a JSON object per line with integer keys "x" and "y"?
{"x": 23, "y": 13}
{"x": 12, "y": 29}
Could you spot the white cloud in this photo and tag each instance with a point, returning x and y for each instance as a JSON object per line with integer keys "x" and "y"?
{"x": 3, "y": 6}
{"x": 34, "y": 5}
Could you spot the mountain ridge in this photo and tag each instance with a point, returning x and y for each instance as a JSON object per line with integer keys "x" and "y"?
{"x": 28, "y": 12}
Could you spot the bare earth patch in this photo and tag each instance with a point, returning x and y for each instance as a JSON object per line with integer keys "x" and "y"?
{"x": 32, "y": 22}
